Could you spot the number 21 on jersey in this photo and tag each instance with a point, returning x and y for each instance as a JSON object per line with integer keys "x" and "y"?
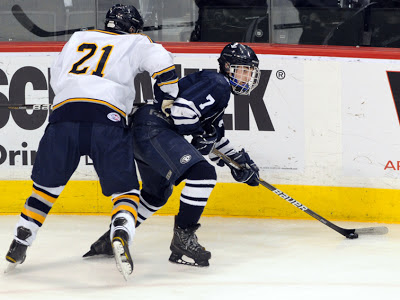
{"x": 80, "y": 67}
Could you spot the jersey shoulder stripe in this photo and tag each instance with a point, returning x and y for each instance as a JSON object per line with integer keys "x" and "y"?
{"x": 163, "y": 71}
{"x": 119, "y": 33}
{"x": 168, "y": 82}
{"x": 106, "y": 32}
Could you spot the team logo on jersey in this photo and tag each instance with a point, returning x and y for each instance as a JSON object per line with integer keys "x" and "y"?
{"x": 185, "y": 159}
{"x": 114, "y": 117}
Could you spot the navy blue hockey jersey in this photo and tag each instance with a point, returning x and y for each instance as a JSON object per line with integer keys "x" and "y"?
{"x": 201, "y": 102}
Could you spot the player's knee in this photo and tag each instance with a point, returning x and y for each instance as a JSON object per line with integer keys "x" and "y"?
{"x": 157, "y": 201}
{"x": 201, "y": 170}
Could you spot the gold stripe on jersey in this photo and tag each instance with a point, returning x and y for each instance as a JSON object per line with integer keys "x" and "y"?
{"x": 33, "y": 215}
{"x": 123, "y": 33}
{"x": 151, "y": 41}
{"x": 89, "y": 100}
{"x": 162, "y": 71}
{"x": 126, "y": 196}
{"x": 107, "y": 32}
{"x": 44, "y": 196}
{"x": 125, "y": 207}
{"x": 168, "y": 82}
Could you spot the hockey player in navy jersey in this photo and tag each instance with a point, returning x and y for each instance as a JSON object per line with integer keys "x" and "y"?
{"x": 165, "y": 158}
{"x": 94, "y": 92}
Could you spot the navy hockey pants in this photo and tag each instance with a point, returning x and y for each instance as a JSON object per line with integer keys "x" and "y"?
{"x": 162, "y": 155}
{"x": 110, "y": 148}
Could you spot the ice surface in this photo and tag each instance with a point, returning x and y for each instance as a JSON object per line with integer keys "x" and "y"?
{"x": 251, "y": 259}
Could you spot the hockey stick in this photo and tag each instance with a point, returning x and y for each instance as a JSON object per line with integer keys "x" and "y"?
{"x": 41, "y": 106}
{"x": 168, "y": 26}
{"x": 348, "y": 233}
{"x": 23, "y": 19}
{"x": 26, "y": 106}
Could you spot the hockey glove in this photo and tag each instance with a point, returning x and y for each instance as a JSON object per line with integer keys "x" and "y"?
{"x": 249, "y": 172}
{"x": 205, "y": 143}
{"x": 166, "y": 106}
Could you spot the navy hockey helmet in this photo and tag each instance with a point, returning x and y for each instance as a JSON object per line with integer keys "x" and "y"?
{"x": 239, "y": 64}
{"x": 124, "y": 17}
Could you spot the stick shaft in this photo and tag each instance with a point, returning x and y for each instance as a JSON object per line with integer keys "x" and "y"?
{"x": 26, "y": 106}
{"x": 297, "y": 204}
{"x": 28, "y": 24}
{"x": 41, "y": 106}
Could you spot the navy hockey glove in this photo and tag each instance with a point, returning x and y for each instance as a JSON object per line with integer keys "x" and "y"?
{"x": 205, "y": 143}
{"x": 249, "y": 172}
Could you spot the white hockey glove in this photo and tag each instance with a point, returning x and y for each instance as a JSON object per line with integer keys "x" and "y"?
{"x": 166, "y": 106}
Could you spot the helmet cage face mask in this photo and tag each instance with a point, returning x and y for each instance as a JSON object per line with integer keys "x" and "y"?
{"x": 243, "y": 78}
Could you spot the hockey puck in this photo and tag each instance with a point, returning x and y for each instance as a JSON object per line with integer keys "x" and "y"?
{"x": 352, "y": 236}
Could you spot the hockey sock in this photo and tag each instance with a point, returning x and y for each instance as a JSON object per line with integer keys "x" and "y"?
{"x": 201, "y": 179}
{"x": 35, "y": 210}
{"x": 148, "y": 205}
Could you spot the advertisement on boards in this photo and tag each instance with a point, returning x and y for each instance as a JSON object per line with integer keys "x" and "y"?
{"x": 269, "y": 124}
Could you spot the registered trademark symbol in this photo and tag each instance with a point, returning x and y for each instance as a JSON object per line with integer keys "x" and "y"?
{"x": 280, "y": 74}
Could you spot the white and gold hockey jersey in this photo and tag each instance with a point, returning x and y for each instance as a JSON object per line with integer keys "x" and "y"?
{"x": 93, "y": 76}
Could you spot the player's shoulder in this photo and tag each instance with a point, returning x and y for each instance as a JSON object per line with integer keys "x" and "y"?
{"x": 208, "y": 79}
{"x": 215, "y": 78}
{"x": 210, "y": 82}
{"x": 144, "y": 38}
{"x": 140, "y": 37}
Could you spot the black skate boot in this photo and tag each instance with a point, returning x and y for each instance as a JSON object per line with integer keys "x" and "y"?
{"x": 185, "y": 242}
{"x": 17, "y": 252}
{"x": 120, "y": 247}
{"x": 101, "y": 246}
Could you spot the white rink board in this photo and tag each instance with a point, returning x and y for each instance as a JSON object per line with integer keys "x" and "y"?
{"x": 371, "y": 129}
{"x": 335, "y": 122}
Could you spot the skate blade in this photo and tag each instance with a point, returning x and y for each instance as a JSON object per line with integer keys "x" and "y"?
{"x": 124, "y": 267}
{"x": 10, "y": 267}
{"x": 89, "y": 254}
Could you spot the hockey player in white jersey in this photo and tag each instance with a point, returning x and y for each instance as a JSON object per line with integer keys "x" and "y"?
{"x": 93, "y": 81}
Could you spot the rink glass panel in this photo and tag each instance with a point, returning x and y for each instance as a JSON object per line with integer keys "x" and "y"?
{"x": 303, "y": 22}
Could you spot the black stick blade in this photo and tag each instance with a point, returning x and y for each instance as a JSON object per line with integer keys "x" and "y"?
{"x": 27, "y": 23}
{"x": 21, "y": 17}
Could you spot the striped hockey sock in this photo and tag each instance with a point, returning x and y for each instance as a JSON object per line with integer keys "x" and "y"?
{"x": 36, "y": 209}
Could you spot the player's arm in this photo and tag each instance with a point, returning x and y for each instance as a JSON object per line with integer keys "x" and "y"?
{"x": 56, "y": 68}
{"x": 159, "y": 63}
{"x": 249, "y": 172}
{"x": 193, "y": 103}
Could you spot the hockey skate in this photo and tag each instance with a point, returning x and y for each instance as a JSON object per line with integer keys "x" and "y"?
{"x": 122, "y": 256}
{"x": 184, "y": 242}
{"x": 17, "y": 252}
{"x": 101, "y": 246}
